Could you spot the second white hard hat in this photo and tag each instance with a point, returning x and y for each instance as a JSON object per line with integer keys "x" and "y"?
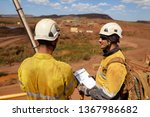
{"x": 46, "y": 29}
{"x": 111, "y": 28}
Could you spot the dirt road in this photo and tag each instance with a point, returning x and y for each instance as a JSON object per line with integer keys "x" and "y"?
{"x": 8, "y": 40}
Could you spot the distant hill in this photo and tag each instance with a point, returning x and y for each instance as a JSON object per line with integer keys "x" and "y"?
{"x": 91, "y": 15}
{"x": 143, "y": 21}
{"x": 14, "y": 15}
{"x": 9, "y": 15}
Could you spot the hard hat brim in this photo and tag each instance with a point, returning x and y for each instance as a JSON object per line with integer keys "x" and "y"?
{"x": 46, "y": 38}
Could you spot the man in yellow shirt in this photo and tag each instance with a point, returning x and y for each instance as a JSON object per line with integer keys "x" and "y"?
{"x": 109, "y": 78}
{"x": 41, "y": 76}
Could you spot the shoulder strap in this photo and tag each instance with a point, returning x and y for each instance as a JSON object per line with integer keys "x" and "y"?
{"x": 115, "y": 60}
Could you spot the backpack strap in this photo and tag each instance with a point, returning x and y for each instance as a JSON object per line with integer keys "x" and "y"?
{"x": 115, "y": 60}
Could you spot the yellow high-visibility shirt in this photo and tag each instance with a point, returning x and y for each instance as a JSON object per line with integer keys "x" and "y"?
{"x": 43, "y": 77}
{"x": 113, "y": 79}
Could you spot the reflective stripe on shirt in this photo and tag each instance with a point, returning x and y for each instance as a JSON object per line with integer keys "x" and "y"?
{"x": 45, "y": 97}
{"x": 109, "y": 94}
{"x": 102, "y": 75}
{"x": 39, "y": 95}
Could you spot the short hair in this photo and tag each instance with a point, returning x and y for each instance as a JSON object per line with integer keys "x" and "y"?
{"x": 46, "y": 43}
{"x": 114, "y": 38}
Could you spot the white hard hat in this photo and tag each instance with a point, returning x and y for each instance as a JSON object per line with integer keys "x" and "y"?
{"x": 111, "y": 28}
{"x": 46, "y": 29}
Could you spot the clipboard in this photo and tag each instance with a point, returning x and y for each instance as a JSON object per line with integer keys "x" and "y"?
{"x": 84, "y": 78}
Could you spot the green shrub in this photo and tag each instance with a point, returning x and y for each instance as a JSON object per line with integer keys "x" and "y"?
{"x": 74, "y": 48}
{"x": 79, "y": 50}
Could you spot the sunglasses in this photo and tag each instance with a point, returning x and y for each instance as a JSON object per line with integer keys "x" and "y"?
{"x": 103, "y": 37}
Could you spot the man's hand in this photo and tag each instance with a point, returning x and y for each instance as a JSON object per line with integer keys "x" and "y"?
{"x": 83, "y": 90}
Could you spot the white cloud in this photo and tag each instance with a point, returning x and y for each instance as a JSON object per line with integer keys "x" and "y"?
{"x": 44, "y": 2}
{"x": 67, "y": 1}
{"x": 56, "y": 5}
{"x": 81, "y": 6}
{"x": 66, "y": 8}
{"x": 141, "y": 3}
{"x": 118, "y": 8}
{"x": 103, "y": 4}
{"x": 85, "y": 7}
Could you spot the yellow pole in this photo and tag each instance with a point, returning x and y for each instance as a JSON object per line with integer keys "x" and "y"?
{"x": 11, "y": 96}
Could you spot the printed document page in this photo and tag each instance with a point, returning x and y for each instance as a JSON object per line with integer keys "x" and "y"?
{"x": 83, "y": 77}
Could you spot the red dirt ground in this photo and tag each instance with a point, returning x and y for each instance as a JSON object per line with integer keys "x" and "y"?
{"x": 138, "y": 43}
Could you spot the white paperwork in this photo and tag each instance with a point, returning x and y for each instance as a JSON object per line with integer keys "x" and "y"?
{"x": 83, "y": 77}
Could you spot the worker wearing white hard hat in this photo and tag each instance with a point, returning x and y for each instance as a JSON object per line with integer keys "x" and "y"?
{"x": 111, "y": 72}
{"x": 41, "y": 76}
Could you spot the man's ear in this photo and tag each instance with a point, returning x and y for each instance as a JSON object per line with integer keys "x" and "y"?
{"x": 109, "y": 42}
{"x": 55, "y": 42}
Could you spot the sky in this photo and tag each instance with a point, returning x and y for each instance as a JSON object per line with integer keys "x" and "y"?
{"x": 126, "y": 10}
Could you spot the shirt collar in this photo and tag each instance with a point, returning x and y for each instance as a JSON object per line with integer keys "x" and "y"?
{"x": 110, "y": 52}
{"x": 43, "y": 56}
